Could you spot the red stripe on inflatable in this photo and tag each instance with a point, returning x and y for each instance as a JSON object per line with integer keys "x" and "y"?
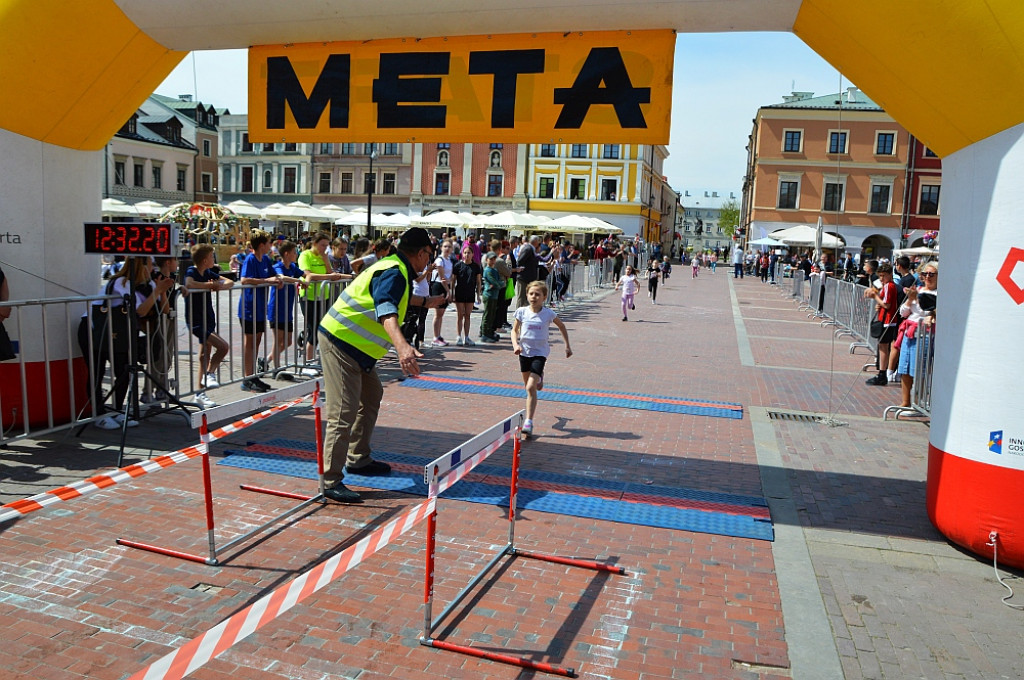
{"x": 588, "y": 393}
{"x": 967, "y": 500}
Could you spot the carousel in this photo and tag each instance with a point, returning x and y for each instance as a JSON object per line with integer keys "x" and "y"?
{"x": 212, "y": 223}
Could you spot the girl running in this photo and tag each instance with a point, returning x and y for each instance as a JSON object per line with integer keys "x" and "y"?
{"x": 653, "y": 273}
{"x": 530, "y": 327}
{"x": 696, "y": 266}
{"x": 629, "y": 286}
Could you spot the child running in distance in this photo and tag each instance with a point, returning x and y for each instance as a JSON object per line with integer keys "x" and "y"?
{"x": 530, "y": 327}
{"x": 696, "y": 266}
{"x": 630, "y": 286}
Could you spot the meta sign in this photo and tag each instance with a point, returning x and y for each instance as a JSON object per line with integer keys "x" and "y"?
{"x": 580, "y": 87}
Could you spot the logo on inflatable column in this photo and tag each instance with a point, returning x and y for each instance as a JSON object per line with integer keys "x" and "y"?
{"x": 1005, "y": 275}
{"x": 995, "y": 441}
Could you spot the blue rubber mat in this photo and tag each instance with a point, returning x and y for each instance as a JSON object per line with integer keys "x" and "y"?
{"x": 643, "y": 402}
{"x": 409, "y": 480}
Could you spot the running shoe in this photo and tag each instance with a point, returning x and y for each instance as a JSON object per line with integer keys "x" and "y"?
{"x": 211, "y": 381}
{"x": 266, "y": 387}
{"x": 107, "y": 423}
{"x": 438, "y": 342}
{"x": 460, "y": 342}
{"x": 204, "y": 401}
{"x": 252, "y": 385}
{"x": 470, "y": 343}
{"x": 528, "y": 428}
{"x": 119, "y": 419}
{"x": 261, "y": 364}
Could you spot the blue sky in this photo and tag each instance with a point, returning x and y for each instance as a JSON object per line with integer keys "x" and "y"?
{"x": 720, "y": 81}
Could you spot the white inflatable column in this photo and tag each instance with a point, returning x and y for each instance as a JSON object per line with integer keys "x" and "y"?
{"x": 976, "y": 452}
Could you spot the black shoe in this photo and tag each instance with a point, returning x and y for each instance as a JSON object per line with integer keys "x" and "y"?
{"x": 252, "y": 385}
{"x": 633, "y": 307}
{"x": 261, "y": 365}
{"x": 877, "y": 380}
{"x": 262, "y": 385}
{"x": 375, "y": 468}
{"x": 342, "y": 494}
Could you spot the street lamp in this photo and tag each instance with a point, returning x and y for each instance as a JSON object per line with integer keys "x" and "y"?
{"x": 371, "y": 185}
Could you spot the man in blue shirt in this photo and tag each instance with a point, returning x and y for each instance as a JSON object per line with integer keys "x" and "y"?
{"x": 355, "y": 334}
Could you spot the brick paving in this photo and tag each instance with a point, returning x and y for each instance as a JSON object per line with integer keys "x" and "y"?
{"x": 898, "y": 600}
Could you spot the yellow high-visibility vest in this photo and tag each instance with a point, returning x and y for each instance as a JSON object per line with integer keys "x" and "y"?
{"x": 353, "y": 319}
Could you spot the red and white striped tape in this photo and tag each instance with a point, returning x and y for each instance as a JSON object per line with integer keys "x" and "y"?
{"x": 87, "y": 486}
{"x": 474, "y": 460}
{"x": 225, "y": 430}
{"x": 217, "y": 640}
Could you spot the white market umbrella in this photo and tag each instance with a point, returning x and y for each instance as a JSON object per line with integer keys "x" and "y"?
{"x": 397, "y": 221}
{"x": 919, "y": 250}
{"x": 111, "y": 207}
{"x": 603, "y": 226}
{"x": 445, "y": 218}
{"x": 296, "y": 210}
{"x": 576, "y": 224}
{"x": 510, "y": 219}
{"x": 805, "y": 235}
{"x": 244, "y": 209}
{"x": 150, "y": 209}
{"x": 765, "y": 241}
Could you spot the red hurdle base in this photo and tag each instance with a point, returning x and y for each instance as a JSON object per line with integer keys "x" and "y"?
{"x": 502, "y": 658}
{"x": 167, "y": 551}
{"x": 586, "y": 564}
{"x": 276, "y": 492}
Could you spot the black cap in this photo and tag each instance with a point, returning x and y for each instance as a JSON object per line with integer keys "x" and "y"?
{"x": 414, "y": 238}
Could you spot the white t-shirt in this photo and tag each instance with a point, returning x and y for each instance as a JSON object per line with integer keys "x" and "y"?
{"x": 445, "y": 271}
{"x": 629, "y": 284}
{"x": 421, "y": 286}
{"x": 533, "y": 330}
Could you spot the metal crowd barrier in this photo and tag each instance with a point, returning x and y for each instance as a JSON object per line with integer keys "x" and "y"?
{"x": 921, "y": 391}
{"x": 170, "y": 355}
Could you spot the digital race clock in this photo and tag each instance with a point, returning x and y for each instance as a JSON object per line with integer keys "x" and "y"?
{"x": 131, "y": 238}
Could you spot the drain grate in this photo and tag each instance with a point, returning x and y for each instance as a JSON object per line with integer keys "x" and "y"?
{"x": 795, "y": 417}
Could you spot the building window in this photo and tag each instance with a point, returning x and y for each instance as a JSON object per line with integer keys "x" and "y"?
{"x": 495, "y": 159}
{"x": 546, "y": 188}
{"x": 497, "y": 146}
{"x": 579, "y": 151}
{"x": 885, "y": 144}
{"x": 788, "y": 192}
{"x": 247, "y": 179}
{"x": 442, "y": 159}
{"x": 325, "y": 148}
{"x": 290, "y": 177}
{"x": 226, "y": 175}
{"x": 369, "y": 149}
{"x": 246, "y": 144}
{"x": 182, "y": 174}
{"x": 577, "y": 189}
{"x": 268, "y": 180}
{"x": 792, "y": 141}
{"x": 348, "y": 149}
{"x": 494, "y": 184}
{"x": 325, "y": 182}
{"x": 206, "y": 182}
{"x": 140, "y": 171}
{"x": 609, "y": 189}
{"x": 929, "y": 153}
{"x": 610, "y": 151}
{"x": 444, "y": 146}
{"x": 291, "y": 147}
{"x": 391, "y": 150}
{"x": 837, "y": 142}
{"x": 206, "y": 148}
{"x": 119, "y": 172}
{"x": 929, "y": 199}
{"x": 158, "y": 179}
{"x": 346, "y": 183}
{"x": 547, "y": 150}
{"x": 441, "y": 183}
{"x": 369, "y": 183}
{"x": 390, "y": 183}
{"x": 268, "y": 147}
{"x": 833, "y": 197}
{"x": 880, "y": 198}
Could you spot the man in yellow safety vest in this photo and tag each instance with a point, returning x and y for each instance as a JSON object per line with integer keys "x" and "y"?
{"x": 357, "y": 331}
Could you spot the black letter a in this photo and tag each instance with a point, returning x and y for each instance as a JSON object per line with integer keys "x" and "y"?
{"x": 283, "y": 87}
{"x": 603, "y": 65}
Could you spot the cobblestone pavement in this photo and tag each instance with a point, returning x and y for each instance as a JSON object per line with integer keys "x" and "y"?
{"x": 857, "y": 584}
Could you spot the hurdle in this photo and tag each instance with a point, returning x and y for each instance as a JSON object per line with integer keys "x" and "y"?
{"x": 292, "y": 396}
{"x": 440, "y": 474}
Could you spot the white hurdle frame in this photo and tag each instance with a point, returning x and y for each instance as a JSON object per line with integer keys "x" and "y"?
{"x": 442, "y": 473}
{"x": 201, "y": 421}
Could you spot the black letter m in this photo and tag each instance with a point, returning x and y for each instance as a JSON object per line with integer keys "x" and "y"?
{"x": 331, "y": 87}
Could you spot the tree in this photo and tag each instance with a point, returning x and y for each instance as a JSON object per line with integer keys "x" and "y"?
{"x": 729, "y": 217}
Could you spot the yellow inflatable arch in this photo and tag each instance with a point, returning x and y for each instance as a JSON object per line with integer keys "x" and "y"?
{"x": 950, "y": 71}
